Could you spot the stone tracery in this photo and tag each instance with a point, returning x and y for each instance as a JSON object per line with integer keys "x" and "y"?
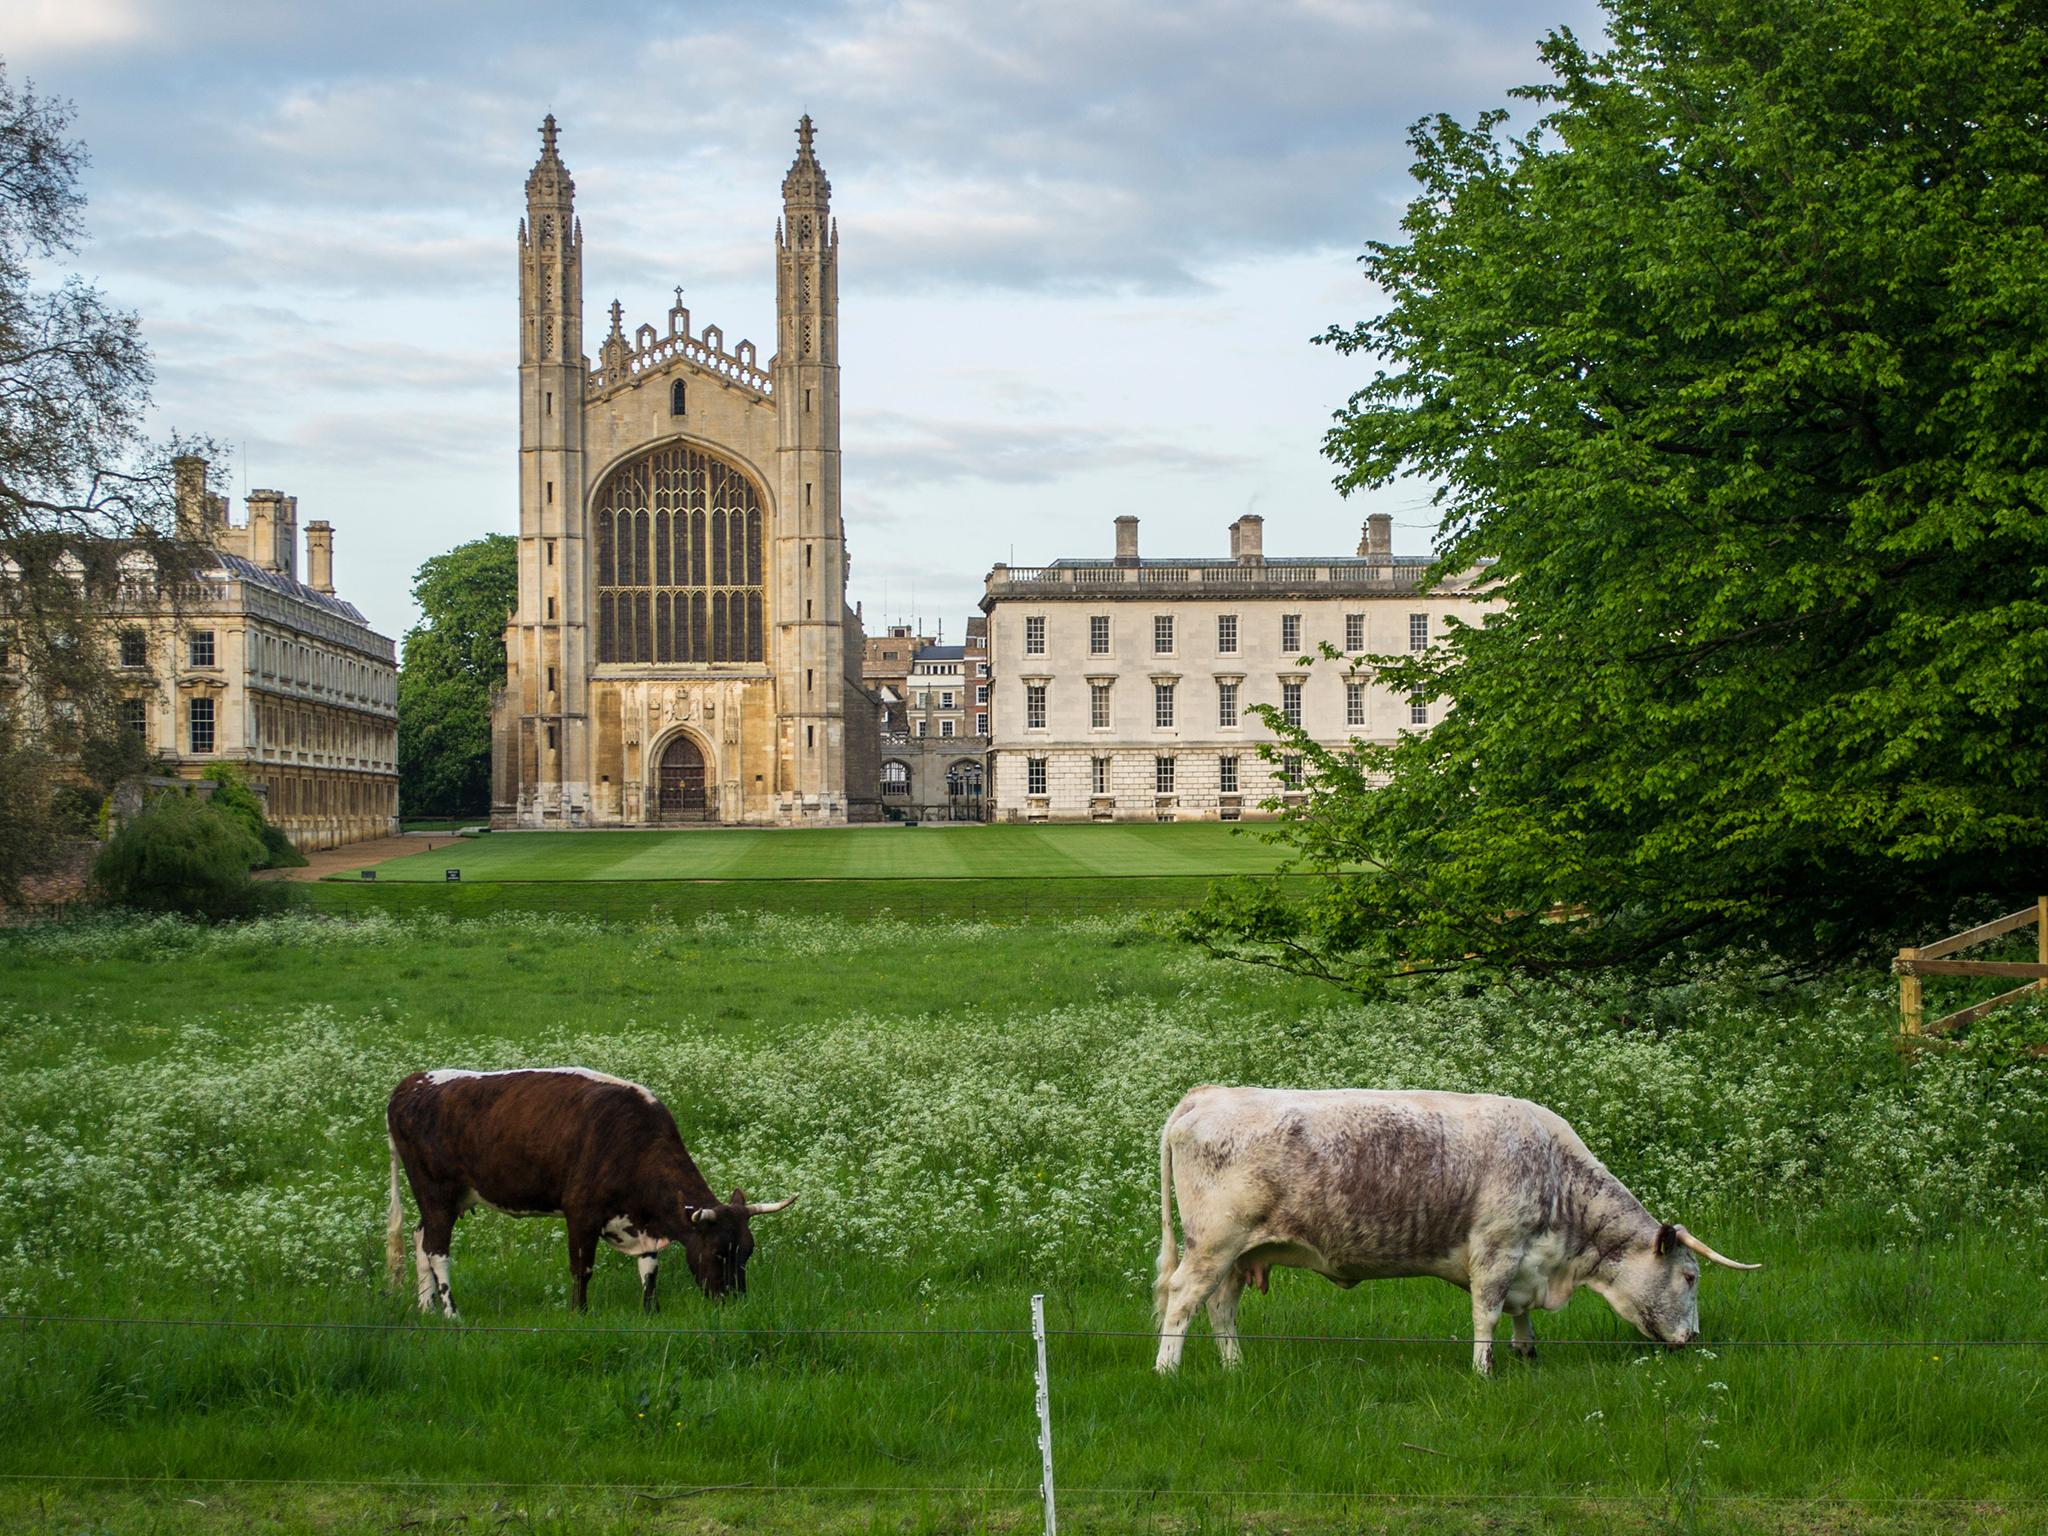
{"x": 679, "y": 560}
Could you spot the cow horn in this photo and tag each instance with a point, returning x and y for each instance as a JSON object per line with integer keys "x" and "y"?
{"x": 772, "y": 1207}
{"x": 1705, "y": 1252}
{"x": 704, "y": 1215}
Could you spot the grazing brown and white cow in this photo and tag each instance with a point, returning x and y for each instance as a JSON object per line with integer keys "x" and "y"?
{"x": 1498, "y": 1196}
{"x": 599, "y": 1151}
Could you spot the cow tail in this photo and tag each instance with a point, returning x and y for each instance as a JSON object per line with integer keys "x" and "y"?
{"x": 394, "y": 1227}
{"x": 1169, "y": 1253}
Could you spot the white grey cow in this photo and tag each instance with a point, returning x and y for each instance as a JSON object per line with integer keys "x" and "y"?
{"x": 1496, "y": 1195}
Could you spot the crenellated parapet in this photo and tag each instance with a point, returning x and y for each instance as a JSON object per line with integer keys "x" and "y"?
{"x": 621, "y": 362}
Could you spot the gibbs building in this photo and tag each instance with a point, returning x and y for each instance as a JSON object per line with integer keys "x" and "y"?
{"x": 682, "y": 651}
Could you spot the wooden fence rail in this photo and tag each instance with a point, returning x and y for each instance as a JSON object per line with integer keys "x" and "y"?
{"x": 1928, "y": 960}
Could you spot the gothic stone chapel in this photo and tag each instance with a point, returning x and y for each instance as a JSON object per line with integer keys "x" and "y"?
{"x": 682, "y": 651}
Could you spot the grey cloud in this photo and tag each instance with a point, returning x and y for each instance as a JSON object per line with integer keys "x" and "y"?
{"x": 896, "y": 451}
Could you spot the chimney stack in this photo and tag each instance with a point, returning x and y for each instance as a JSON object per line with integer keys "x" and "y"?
{"x": 1248, "y": 540}
{"x": 1378, "y": 542}
{"x": 288, "y": 534}
{"x": 1127, "y": 540}
{"x": 320, "y": 556}
{"x": 262, "y": 529}
{"x": 191, "y": 496}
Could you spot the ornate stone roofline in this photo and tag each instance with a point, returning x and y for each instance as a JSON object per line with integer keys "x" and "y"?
{"x": 621, "y": 364}
{"x": 1079, "y": 580}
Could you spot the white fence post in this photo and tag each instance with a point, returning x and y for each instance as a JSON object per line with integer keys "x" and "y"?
{"x": 1052, "y": 1524}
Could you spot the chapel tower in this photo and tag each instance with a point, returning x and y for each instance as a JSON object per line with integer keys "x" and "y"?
{"x": 810, "y": 537}
{"x": 547, "y": 708}
{"x": 682, "y": 652}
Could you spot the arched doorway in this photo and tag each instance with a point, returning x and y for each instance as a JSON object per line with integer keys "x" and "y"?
{"x": 963, "y": 790}
{"x": 682, "y": 795}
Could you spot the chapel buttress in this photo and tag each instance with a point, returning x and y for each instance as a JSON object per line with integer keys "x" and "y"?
{"x": 680, "y": 650}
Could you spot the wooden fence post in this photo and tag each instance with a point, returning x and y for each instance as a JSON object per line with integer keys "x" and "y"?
{"x": 1909, "y": 997}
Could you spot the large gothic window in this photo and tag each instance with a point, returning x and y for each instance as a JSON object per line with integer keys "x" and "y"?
{"x": 679, "y": 577}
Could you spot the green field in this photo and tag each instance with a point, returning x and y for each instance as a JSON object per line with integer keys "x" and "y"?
{"x": 888, "y": 852}
{"x": 969, "y": 1114}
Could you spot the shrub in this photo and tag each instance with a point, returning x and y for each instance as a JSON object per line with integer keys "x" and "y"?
{"x": 233, "y": 796}
{"x": 184, "y": 855}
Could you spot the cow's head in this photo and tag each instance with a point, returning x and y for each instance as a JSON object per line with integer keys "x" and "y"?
{"x": 1656, "y": 1285}
{"x": 719, "y": 1239}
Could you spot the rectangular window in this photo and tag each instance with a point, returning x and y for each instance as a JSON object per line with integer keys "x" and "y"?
{"x": 923, "y": 699}
{"x": 1098, "y": 775}
{"x": 946, "y": 699}
{"x": 200, "y": 650}
{"x": 1162, "y": 775}
{"x": 1098, "y": 634}
{"x": 1162, "y": 704}
{"x": 1354, "y": 703}
{"x": 1226, "y": 704}
{"x": 135, "y": 719}
{"x": 1418, "y": 631}
{"x": 1034, "y": 775}
{"x": 1290, "y": 703}
{"x": 1418, "y": 709}
{"x": 981, "y": 725}
{"x": 1162, "y": 634}
{"x": 1034, "y": 706}
{"x": 981, "y": 693}
{"x": 1290, "y": 771}
{"x": 981, "y": 669}
{"x": 945, "y": 727}
{"x": 134, "y": 648}
{"x": 1354, "y": 631}
{"x": 1226, "y": 634}
{"x": 202, "y": 725}
{"x": 1290, "y": 631}
{"x": 1226, "y": 775}
{"x": 917, "y": 727}
{"x": 1098, "y": 706}
{"x": 1034, "y": 635}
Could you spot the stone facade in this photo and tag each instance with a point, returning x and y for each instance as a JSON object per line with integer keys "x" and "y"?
{"x": 1124, "y": 687}
{"x": 253, "y": 666}
{"x": 682, "y": 650}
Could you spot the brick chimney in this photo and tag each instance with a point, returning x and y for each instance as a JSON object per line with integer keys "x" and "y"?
{"x": 320, "y": 556}
{"x": 1127, "y": 540}
{"x": 1248, "y": 540}
{"x": 191, "y": 495}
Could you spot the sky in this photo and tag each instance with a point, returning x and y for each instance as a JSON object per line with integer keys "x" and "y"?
{"x": 1084, "y": 248}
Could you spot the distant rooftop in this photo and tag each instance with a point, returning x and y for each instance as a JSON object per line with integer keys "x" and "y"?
{"x": 249, "y": 571}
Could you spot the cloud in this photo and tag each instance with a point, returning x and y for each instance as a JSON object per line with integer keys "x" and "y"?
{"x": 896, "y": 451}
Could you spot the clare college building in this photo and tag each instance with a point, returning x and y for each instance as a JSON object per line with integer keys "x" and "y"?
{"x": 682, "y": 651}
{"x": 1124, "y": 687}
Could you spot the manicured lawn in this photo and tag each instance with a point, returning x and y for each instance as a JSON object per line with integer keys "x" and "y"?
{"x": 849, "y": 853}
{"x": 969, "y": 1114}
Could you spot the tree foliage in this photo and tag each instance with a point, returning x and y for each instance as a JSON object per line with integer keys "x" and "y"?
{"x": 233, "y": 797}
{"x": 454, "y": 659}
{"x": 80, "y": 486}
{"x": 182, "y": 854}
{"x": 1734, "y": 370}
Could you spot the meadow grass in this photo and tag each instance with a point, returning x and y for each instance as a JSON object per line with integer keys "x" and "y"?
{"x": 885, "y": 852}
{"x": 969, "y": 1113}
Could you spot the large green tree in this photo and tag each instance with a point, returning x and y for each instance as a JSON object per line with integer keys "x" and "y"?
{"x": 454, "y": 658}
{"x": 1734, "y": 370}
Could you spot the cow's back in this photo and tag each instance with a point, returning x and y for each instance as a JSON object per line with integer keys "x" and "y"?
{"x": 520, "y": 1138}
{"x": 1373, "y": 1182}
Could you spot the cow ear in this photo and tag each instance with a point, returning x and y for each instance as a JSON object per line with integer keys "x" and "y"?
{"x": 739, "y": 1196}
{"x": 1667, "y": 1240}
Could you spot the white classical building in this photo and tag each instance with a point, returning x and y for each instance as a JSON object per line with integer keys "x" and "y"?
{"x": 1123, "y": 688}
